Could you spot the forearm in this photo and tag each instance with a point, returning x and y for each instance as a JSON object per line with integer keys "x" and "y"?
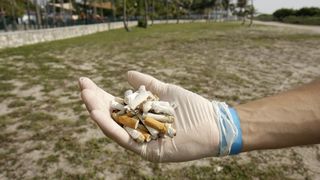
{"x": 289, "y": 119}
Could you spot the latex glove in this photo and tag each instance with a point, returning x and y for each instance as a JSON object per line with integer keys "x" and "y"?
{"x": 197, "y": 132}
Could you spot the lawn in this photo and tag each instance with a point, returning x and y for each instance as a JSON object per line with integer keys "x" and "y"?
{"x": 45, "y": 131}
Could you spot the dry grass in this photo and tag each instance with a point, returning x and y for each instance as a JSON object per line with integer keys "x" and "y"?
{"x": 45, "y": 132}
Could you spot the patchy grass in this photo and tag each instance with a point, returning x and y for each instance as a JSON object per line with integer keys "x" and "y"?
{"x": 46, "y": 131}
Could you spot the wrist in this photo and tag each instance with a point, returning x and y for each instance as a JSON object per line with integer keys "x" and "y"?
{"x": 230, "y": 133}
{"x": 237, "y": 145}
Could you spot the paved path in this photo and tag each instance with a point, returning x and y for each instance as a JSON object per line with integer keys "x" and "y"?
{"x": 315, "y": 29}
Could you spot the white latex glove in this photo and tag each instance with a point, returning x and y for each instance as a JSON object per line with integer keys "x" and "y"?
{"x": 197, "y": 132}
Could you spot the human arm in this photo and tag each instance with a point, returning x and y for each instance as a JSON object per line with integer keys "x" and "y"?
{"x": 198, "y": 134}
{"x": 290, "y": 118}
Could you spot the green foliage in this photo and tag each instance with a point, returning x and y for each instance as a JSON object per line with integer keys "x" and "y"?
{"x": 307, "y": 20}
{"x": 13, "y": 6}
{"x": 313, "y": 11}
{"x": 282, "y": 13}
{"x": 142, "y": 23}
{"x": 264, "y": 17}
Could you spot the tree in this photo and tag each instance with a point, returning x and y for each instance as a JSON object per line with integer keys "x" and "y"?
{"x": 125, "y": 20}
{"x": 146, "y": 9}
{"x": 242, "y": 13}
{"x": 152, "y": 11}
{"x": 251, "y": 12}
{"x": 14, "y": 22}
{"x": 226, "y": 6}
{"x": 38, "y": 14}
{"x": 282, "y": 13}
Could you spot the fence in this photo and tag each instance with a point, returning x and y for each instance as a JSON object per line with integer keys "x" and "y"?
{"x": 20, "y": 38}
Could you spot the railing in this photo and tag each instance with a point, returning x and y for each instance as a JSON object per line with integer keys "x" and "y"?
{"x": 8, "y": 25}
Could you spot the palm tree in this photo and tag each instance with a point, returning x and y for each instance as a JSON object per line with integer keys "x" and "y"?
{"x": 177, "y": 3}
{"x": 28, "y": 13}
{"x": 125, "y": 20}
{"x": 152, "y": 14}
{"x": 226, "y": 6}
{"x": 62, "y": 14}
{"x": 101, "y": 9}
{"x": 113, "y": 11}
{"x": 54, "y": 13}
{"x": 146, "y": 13}
{"x": 242, "y": 4}
{"x": 167, "y": 11}
{"x": 38, "y": 15}
{"x": 251, "y": 13}
{"x": 14, "y": 22}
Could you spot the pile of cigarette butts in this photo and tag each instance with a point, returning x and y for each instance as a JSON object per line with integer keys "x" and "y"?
{"x": 143, "y": 115}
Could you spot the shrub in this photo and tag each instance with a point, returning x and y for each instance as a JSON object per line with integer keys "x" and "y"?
{"x": 282, "y": 13}
{"x": 265, "y": 17}
{"x": 142, "y": 23}
{"x": 312, "y": 11}
{"x": 307, "y": 20}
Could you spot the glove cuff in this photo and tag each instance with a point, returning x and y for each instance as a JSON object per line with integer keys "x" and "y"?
{"x": 228, "y": 123}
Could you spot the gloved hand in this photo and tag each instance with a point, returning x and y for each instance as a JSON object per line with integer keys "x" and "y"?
{"x": 197, "y": 131}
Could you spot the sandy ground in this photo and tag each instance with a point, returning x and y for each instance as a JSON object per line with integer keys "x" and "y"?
{"x": 45, "y": 131}
{"x": 315, "y": 29}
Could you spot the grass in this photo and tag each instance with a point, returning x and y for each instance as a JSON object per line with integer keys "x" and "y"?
{"x": 44, "y": 126}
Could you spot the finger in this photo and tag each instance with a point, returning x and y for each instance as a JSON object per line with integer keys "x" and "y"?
{"x": 136, "y": 79}
{"x": 115, "y": 131}
{"x": 86, "y": 83}
{"x": 91, "y": 101}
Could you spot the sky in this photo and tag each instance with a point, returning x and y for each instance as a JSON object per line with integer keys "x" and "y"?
{"x": 269, "y": 6}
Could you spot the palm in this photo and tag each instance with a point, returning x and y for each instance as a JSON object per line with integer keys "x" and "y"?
{"x": 97, "y": 102}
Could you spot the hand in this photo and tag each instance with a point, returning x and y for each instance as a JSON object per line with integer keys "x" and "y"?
{"x": 197, "y": 132}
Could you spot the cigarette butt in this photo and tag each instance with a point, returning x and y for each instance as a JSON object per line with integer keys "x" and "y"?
{"x": 142, "y": 128}
{"x": 170, "y": 131}
{"x": 145, "y": 132}
{"x": 147, "y": 137}
{"x": 135, "y": 134}
{"x": 155, "y": 124}
{"x": 119, "y": 100}
{"x": 115, "y": 116}
{"x": 160, "y": 117}
{"x": 128, "y": 121}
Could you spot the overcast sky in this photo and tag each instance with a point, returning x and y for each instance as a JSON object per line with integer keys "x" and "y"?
{"x": 269, "y": 6}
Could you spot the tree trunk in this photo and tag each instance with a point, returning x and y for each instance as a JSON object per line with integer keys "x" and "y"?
{"x": 146, "y": 9}
{"x": 3, "y": 18}
{"x": 167, "y": 11}
{"x": 189, "y": 10}
{"x": 85, "y": 11}
{"x": 14, "y": 22}
{"x": 54, "y": 21}
{"x": 71, "y": 11}
{"x": 113, "y": 11}
{"x": 252, "y": 13}
{"x": 38, "y": 18}
{"x": 125, "y": 16}
{"x": 178, "y": 12}
{"x": 28, "y": 13}
{"x": 62, "y": 14}
{"x": 101, "y": 10}
{"x": 243, "y": 14}
{"x": 95, "y": 10}
{"x": 152, "y": 15}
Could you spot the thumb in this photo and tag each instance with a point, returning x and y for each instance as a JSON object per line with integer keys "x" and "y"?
{"x": 136, "y": 79}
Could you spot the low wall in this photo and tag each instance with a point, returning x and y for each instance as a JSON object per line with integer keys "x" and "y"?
{"x": 20, "y": 38}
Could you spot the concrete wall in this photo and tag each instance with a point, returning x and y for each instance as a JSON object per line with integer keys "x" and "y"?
{"x": 20, "y": 38}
